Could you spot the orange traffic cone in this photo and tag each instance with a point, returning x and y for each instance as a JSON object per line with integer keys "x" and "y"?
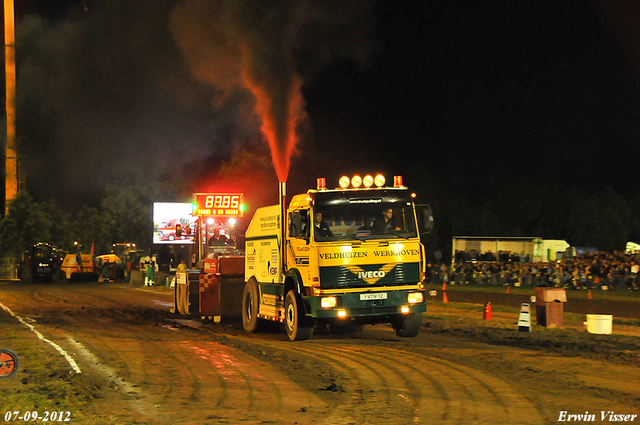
{"x": 487, "y": 310}
{"x": 444, "y": 286}
{"x": 590, "y": 294}
{"x": 508, "y": 289}
{"x": 444, "y": 297}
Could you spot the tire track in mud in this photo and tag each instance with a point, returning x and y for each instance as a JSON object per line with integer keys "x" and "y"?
{"x": 216, "y": 382}
{"x": 487, "y": 399}
{"x": 183, "y": 376}
{"x": 391, "y": 383}
{"x": 101, "y": 305}
{"x": 158, "y": 375}
{"x": 177, "y": 379}
{"x": 372, "y": 391}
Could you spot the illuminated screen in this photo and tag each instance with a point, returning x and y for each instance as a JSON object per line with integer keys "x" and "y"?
{"x": 219, "y": 204}
{"x": 173, "y": 223}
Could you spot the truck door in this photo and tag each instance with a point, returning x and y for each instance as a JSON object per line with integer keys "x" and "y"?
{"x": 298, "y": 241}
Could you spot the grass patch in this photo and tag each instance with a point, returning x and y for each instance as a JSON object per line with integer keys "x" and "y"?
{"x": 527, "y": 290}
{"x": 45, "y": 381}
{"x": 566, "y": 342}
{"x": 472, "y": 307}
{"x": 626, "y": 322}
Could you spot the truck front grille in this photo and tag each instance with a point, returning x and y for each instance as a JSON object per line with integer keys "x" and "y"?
{"x": 342, "y": 277}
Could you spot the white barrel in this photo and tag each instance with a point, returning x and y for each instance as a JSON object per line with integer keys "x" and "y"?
{"x": 599, "y": 323}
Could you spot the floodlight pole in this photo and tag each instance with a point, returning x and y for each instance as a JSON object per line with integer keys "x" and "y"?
{"x": 11, "y": 152}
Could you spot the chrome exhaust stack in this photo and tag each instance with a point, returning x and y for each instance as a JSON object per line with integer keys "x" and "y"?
{"x": 282, "y": 195}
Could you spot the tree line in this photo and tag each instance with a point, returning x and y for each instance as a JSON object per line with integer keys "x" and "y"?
{"x": 601, "y": 218}
{"x": 125, "y": 211}
{"x": 125, "y": 214}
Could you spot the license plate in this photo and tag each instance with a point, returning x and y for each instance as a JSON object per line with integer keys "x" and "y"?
{"x": 376, "y": 296}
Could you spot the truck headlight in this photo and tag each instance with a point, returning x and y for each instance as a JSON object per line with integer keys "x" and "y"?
{"x": 415, "y": 298}
{"x": 328, "y": 302}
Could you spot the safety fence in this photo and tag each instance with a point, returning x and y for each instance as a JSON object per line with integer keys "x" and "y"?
{"x": 8, "y": 269}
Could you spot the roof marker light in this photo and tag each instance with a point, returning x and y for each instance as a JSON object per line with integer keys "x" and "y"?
{"x": 367, "y": 181}
{"x": 379, "y": 180}
{"x": 344, "y": 182}
{"x": 356, "y": 181}
{"x": 321, "y": 183}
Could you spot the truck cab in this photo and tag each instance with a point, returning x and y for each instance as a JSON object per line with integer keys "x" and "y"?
{"x": 351, "y": 256}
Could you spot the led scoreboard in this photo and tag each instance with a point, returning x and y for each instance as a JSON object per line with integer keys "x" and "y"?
{"x": 219, "y": 204}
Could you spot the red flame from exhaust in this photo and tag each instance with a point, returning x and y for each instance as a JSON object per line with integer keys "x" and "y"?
{"x": 280, "y": 113}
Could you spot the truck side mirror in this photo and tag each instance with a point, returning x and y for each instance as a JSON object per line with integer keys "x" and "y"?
{"x": 427, "y": 218}
{"x": 294, "y": 224}
{"x": 299, "y": 225}
{"x": 306, "y": 227}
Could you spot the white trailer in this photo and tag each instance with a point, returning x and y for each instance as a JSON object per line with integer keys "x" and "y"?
{"x": 535, "y": 248}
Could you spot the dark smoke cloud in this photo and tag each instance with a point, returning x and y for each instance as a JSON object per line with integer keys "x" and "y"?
{"x": 142, "y": 87}
{"x": 265, "y": 47}
{"x": 303, "y": 36}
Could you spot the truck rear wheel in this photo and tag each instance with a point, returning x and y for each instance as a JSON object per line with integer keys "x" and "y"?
{"x": 409, "y": 325}
{"x": 297, "y": 326}
{"x": 250, "y": 305}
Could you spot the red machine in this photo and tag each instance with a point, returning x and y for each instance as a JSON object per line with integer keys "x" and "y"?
{"x": 214, "y": 288}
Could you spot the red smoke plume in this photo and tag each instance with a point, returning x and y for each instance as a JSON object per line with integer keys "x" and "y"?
{"x": 279, "y": 125}
{"x": 269, "y": 71}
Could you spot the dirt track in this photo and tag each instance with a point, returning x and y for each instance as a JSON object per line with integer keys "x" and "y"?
{"x": 143, "y": 365}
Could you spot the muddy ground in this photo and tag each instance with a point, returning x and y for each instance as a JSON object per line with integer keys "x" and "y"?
{"x": 143, "y": 365}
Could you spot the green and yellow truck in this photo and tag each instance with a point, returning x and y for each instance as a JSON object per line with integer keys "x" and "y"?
{"x": 342, "y": 257}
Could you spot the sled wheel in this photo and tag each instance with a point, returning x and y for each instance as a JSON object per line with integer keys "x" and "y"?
{"x": 9, "y": 363}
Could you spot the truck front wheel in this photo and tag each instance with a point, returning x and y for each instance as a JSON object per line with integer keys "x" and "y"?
{"x": 295, "y": 322}
{"x": 250, "y": 305}
{"x": 408, "y": 325}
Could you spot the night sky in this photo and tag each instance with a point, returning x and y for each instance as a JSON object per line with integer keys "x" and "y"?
{"x": 466, "y": 93}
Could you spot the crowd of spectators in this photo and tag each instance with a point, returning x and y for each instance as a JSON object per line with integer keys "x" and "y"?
{"x": 598, "y": 270}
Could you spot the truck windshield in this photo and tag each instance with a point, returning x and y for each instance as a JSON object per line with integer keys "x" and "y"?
{"x": 365, "y": 221}
{"x": 42, "y": 252}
